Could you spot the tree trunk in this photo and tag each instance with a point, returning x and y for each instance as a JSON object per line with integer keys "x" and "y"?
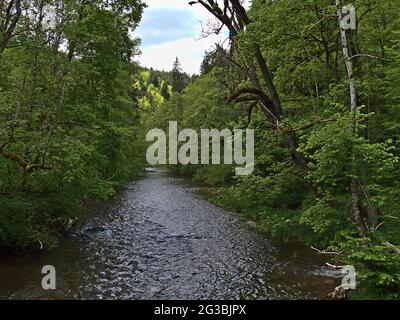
{"x": 269, "y": 82}
{"x": 9, "y": 22}
{"x": 372, "y": 211}
{"x": 355, "y": 206}
{"x": 355, "y": 201}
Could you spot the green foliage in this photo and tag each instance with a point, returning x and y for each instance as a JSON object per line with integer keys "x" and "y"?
{"x": 69, "y": 110}
{"x": 299, "y": 40}
{"x": 216, "y": 175}
{"x": 335, "y": 156}
{"x": 83, "y": 113}
{"x": 377, "y": 264}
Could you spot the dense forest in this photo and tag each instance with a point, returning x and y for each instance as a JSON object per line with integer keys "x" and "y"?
{"x": 323, "y": 100}
{"x": 324, "y": 104}
{"x": 69, "y": 122}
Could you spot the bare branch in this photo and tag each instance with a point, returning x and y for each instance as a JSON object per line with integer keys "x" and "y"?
{"x": 326, "y": 252}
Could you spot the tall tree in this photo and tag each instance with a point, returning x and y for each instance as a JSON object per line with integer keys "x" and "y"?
{"x": 177, "y": 77}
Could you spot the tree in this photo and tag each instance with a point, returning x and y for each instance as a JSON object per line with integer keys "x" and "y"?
{"x": 165, "y": 91}
{"x": 67, "y": 120}
{"x": 10, "y": 15}
{"x": 234, "y": 17}
{"x": 178, "y": 78}
{"x": 355, "y": 202}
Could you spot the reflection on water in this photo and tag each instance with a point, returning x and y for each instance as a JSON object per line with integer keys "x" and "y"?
{"x": 160, "y": 240}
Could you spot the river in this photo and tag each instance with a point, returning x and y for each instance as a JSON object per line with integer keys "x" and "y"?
{"x": 160, "y": 239}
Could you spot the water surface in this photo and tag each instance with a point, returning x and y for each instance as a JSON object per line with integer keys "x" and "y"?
{"x": 159, "y": 239}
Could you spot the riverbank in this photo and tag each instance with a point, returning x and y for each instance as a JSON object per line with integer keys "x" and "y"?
{"x": 285, "y": 228}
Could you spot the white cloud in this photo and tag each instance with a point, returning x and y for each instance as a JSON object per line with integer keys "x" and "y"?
{"x": 190, "y": 51}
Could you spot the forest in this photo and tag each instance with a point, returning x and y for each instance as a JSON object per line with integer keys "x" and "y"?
{"x": 323, "y": 99}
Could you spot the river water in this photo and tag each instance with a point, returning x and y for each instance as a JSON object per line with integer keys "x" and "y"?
{"x": 159, "y": 239}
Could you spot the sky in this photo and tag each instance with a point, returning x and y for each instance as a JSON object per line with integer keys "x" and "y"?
{"x": 170, "y": 29}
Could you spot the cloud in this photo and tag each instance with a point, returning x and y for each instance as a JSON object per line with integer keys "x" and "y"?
{"x": 161, "y": 25}
{"x": 170, "y": 29}
{"x": 189, "y": 51}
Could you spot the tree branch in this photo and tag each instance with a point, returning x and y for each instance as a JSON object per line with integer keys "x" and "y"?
{"x": 28, "y": 167}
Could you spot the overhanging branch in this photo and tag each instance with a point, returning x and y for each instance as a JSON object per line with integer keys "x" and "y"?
{"x": 24, "y": 164}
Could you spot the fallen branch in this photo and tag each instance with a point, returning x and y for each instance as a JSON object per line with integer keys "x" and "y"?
{"x": 391, "y": 217}
{"x": 367, "y": 56}
{"x": 326, "y": 252}
{"x": 395, "y": 248}
{"x": 333, "y": 266}
{"x": 378, "y": 226}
